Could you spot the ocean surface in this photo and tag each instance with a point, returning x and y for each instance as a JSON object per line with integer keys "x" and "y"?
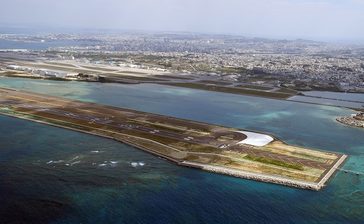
{"x": 52, "y": 175}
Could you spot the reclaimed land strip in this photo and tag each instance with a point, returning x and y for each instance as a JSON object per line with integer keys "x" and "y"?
{"x": 356, "y": 120}
{"x": 188, "y": 143}
{"x": 232, "y": 90}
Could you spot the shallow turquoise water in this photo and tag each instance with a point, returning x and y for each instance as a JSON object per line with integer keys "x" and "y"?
{"x": 160, "y": 192}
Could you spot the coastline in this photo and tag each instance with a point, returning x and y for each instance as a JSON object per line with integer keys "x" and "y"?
{"x": 270, "y": 178}
{"x": 234, "y": 90}
{"x": 350, "y": 122}
{"x": 210, "y": 168}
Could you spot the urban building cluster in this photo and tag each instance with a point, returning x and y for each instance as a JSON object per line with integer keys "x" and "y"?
{"x": 297, "y": 64}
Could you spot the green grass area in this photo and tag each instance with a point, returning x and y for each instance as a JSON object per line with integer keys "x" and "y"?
{"x": 8, "y": 73}
{"x": 61, "y": 64}
{"x": 195, "y": 147}
{"x": 172, "y": 77}
{"x": 99, "y": 69}
{"x": 274, "y": 162}
{"x": 215, "y": 82}
{"x": 17, "y": 75}
{"x": 159, "y": 126}
{"x": 157, "y": 138}
{"x": 20, "y": 75}
{"x": 286, "y": 90}
{"x": 133, "y": 72}
{"x": 295, "y": 154}
{"x": 232, "y": 90}
{"x": 234, "y": 70}
{"x": 250, "y": 86}
{"x": 136, "y": 78}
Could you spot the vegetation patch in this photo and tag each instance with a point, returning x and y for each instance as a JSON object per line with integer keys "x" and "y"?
{"x": 274, "y": 162}
{"x": 232, "y": 90}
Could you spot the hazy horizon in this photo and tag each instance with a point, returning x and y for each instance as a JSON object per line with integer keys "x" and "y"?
{"x": 322, "y": 20}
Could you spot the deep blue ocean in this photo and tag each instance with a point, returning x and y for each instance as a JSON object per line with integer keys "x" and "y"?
{"x": 99, "y": 184}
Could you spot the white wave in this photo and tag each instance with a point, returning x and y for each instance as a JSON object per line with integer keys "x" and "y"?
{"x": 58, "y": 161}
{"x": 76, "y": 162}
{"x": 96, "y": 151}
{"x": 74, "y": 158}
{"x": 136, "y": 164}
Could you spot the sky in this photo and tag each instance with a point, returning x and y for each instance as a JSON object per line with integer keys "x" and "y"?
{"x": 336, "y": 20}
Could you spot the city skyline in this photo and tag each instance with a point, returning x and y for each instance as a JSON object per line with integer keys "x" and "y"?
{"x": 317, "y": 20}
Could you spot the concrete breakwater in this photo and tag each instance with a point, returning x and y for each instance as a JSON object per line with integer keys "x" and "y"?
{"x": 268, "y": 178}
